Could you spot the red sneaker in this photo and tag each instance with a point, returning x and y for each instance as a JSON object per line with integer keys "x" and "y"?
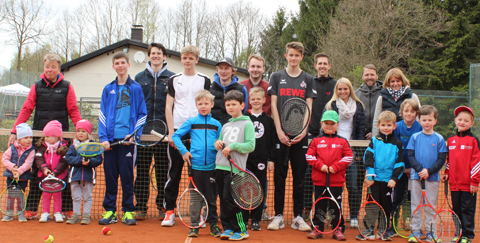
{"x": 67, "y": 214}
{"x": 315, "y": 234}
{"x": 31, "y": 215}
{"x": 338, "y": 235}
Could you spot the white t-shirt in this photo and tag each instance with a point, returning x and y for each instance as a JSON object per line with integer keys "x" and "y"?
{"x": 345, "y": 128}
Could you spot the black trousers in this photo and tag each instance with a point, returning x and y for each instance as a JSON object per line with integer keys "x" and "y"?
{"x": 260, "y": 171}
{"x": 174, "y": 175}
{"x": 337, "y": 194}
{"x": 298, "y": 164}
{"x": 464, "y": 204}
{"x": 309, "y": 189}
{"x": 383, "y": 195}
{"x": 142, "y": 181}
{"x": 230, "y": 213}
{"x": 205, "y": 182}
{"x": 399, "y": 193}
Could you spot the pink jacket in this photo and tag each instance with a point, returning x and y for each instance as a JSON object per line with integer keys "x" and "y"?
{"x": 56, "y": 163}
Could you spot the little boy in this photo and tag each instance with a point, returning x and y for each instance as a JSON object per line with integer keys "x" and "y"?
{"x": 122, "y": 111}
{"x": 329, "y": 153}
{"x": 237, "y": 140}
{"x": 384, "y": 164}
{"x": 464, "y": 160}
{"x": 427, "y": 152}
{"x": 265, "y": 137}
{"x": 204, "y": 130}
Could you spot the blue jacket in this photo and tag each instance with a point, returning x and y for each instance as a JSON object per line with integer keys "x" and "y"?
{"x": 204, "y": 131}
{"x": 108, "y": 108}
{"x": 19, "y": 162}
{"x": 384, "y": 158}
{"x": 77, "y": 171}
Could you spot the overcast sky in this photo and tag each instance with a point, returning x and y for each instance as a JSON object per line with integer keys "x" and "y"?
{"x": 269, "y": 7}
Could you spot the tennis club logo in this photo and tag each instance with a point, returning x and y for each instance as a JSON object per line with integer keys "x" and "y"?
{"x": 261, "y": 166}
{"x": 321, "y": 145}
{"x": 451, "y": 147}
{"x": 259, "y": 129}
{"x": 303, "y": 84}
{"x": 466, "y": 147}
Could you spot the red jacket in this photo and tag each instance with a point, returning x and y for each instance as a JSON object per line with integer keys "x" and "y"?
{"x": 463, "y": 161}
{"x": 264, "y": 85}
{"x": 330, "y": 150}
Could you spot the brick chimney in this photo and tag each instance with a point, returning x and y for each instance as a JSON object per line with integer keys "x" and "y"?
{"x": 137, "y": 33}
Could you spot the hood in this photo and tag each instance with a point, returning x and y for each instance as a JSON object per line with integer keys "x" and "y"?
{"x": 49, "y": 83}
{"x": 323, "y": 79}
{"x": 216, "y": 79}
{"x": 377, "y": 86}
{"x": 159, "y": 73}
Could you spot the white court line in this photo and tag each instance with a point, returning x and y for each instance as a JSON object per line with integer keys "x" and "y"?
{"x": 188, "y": 239}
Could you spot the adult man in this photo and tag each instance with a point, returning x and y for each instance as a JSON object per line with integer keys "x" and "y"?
{"x": 256, "y": 68}
{"x": 223, "y": 81}
{"x": 154, "y": 80}
{"x": 368, "y": 93}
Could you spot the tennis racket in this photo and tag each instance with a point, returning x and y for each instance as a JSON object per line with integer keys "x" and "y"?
{"x": 13, "y": 199}
{"x": 326, "y": 211}
{"x": 192, "y": 206}
{"x": 245, "y": 188}
{"x": 419, "y": 216}
{"x": 372, "y": 220}
{"x": 402, "y": 217}
{"x": 52, "y": 184}
{"x": 153, "y": 178}
{"x": 155, "y": 127}
{"x": 446, "y": 222}
{"x": 88, "y": 150}
{"x": 294, "y": 119}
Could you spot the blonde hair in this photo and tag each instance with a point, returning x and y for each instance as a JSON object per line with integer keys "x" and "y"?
{"x": 397, "y": 73}
{"x": 190, "y": 49}
{"x": 409, "y": 102}
{"x": 295, "y": 45}
{"x": 387, "y": 116}
{"x": 204, "y": 94}
{"x": 54, "y": 58}
{"x": 256, "y": 56}
{"x": 335, "y": 93}
{"x": 62, "y": 150}
{"x": 256, "y": 90}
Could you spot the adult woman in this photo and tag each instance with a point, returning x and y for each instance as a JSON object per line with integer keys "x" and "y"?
{"x": 351, "y": 126}
{"x": 396, "y": 89}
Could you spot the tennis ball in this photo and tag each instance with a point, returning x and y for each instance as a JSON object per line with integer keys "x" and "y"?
{"x": 49, "y": 239}
{"x": 106, "y": 230}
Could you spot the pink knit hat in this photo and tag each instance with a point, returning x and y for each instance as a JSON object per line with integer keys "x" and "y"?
{"x": 53, "y": 129}
{"x": 84, "y": 124}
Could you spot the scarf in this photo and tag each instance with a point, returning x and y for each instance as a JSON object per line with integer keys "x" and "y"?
{"x": 346, "y": 111}
{"x": 77, "y": 142}
{"x": 397, "y": 94}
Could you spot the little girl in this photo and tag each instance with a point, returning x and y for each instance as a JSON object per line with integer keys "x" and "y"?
{"x": 18, "y": 160}
{"x": 81, "y": 173}
{"x": 50, "y": 158}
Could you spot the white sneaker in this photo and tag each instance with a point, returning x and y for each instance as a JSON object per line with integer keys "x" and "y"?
{"x": 277, "y": 223}
{"x": 299, "y": 224}
{"x": 169, "y": 219}
{"x": 44, "y": 218}
{"x": 354, "y": 223}
{"x": 21, "y": 218}
{"x": 7, "y": 218}
{"x": 58, "y": 217}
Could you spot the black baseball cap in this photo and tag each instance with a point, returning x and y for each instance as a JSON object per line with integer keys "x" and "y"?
{"x": 226, "y": 60}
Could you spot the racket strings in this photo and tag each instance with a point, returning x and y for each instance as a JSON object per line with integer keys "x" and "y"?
{"x": 12, "y": 201}
{"x": 448, "y": 225}
{"x": 192, "y": 208}
{"x": 372, "y": 221}
{"x": 292, "y": 117}
{"x": 326, "y": 215}
{"x": 247, "y": 190}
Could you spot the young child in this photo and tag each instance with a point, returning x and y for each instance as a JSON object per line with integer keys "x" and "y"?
{"x": 18, "y": 160}
{"x": 384, "y": 164}
{"x": 204, "y": 130}
{"x": 405, "y": 129}
{"x": 50, "y": 159}
{"x": 462, "y": 171}
{"x": 427, "y": 152}
{"x": 265, "y": 139}
{"x": 237, "y": 140}
{"x": 332, "y": 159}
{"x": 81, "y": 175}
{"x": 122, "y": 111}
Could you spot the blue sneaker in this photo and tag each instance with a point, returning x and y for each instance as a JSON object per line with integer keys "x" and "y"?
{"x": 414, "y": 236}
{"x": 108, "y": 217}
{"x": 432, "y": 238}
{"x": 128, "y": 219}
{"x": 226, "y": 234}
{"x": 239, "y": 236}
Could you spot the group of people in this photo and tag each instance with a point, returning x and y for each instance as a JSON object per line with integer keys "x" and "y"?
{"x": 211, "y": 120}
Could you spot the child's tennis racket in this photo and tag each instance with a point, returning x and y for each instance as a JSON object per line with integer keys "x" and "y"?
{"x": 372, "y": 220}
{"x": 192, "y": 206}
{"x": 402, "y": 216}
{"x": 52, "y": 184}
{"x": 325, "y": 211}
{"x": 13, "y": 199}
{"x": 155, "y": 127}
{"x": 419, "y": 216}
{"x": 245, "y": 188}
{"x": 294, "y": 119}
{"x": 448, "y": 225}
{"x": 88, "y": 150}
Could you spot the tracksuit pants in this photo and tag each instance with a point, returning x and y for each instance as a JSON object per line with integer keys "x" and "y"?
{"x": 383, "y": 195}
{"x": 82, "y": 189}
{"x": 260, "y": 171}
{"x": 431, "y": 191}
{"x": 320, "y": 207}
{"x": 399, "y": 192}
{"x": 230, "y": 213}
{"x": 174, "y": 174}
{"x": 464, "y": 204}
{"x": 205, "y": 182}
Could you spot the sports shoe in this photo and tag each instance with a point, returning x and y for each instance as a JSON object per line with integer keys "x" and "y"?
{"x": 386, "y": 237}
{"x": 85, "y": 219}
{"x": 422, "y": 236}
{"x": 7, "y": 218}
{"x": 226, "y": 234}
{"x": 202, "y": 222}
{"x": 391, "y": 232}
{"x": 255, "y": 226}
{"x": 277, "y": 223}
{"x": 58, "y": 217}
{"x": 465, "y": 239}
{"x": 108, "y": 217}
{"x": 67, "y": 214}
{"x": 74, "y": 219}
{"x": 128, "y": 218}
{"x": 299, "y": 224}
{"x": 366, "y": 235}
{"x": 169, "y": 219}
{"x": 161, "y": 214}
{"x": 315, "y": 234}
{"x": 412, "y": 238}
{"x": 140, "y": 215}
{"x": 21, "y": 218}
{"x": 44, "y": 218}
{"x": 215, "y": 231}
{"x": 338, "y": 235}
{"x": 193, "y": 233}
{"x": 239, "y": 236}
{"x": 354, "y": 223}
{"x": 432, "y": 238}
{"x": 265, "y": 216}
{"x": 31, "y": 215}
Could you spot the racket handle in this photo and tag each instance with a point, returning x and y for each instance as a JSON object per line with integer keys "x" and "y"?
{"x": 116, "y": 143}
{"x": 422, "y": 182}
{"x": 327, "y": 183}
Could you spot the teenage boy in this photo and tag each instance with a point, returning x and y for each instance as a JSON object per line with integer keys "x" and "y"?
{"x": 180, "y": 106}
{"x": 237, "y": 140}
{"x": 224, "y": 81}
{"x": 384, "y": 163}
{"x": 284, "y": 85}
{"x": 265, "y": 140}
{"x": 203, "y": 130}
{"x": 256, "y": 68}
{"x": 122, "y": 111}
{"x": 427, "y": 152}
{"x": 154, "y": 80}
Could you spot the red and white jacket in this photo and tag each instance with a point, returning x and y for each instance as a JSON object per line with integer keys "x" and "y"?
{"x": 463, "y": 161}
{"x": 330, "y": 150}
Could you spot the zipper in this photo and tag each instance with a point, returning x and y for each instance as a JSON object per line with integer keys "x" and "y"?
{"x": 154, "y": 93}
{"x": 206, "y": 141}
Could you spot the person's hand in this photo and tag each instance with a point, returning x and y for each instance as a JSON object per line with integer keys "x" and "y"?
{"x": 324, "y": 168}
{"x": 226, "y": 151}
{"x": 16, "y": 175}
{"x": 473, "y": 189}
{"x": 219, "y": 144}
{"x": 444, "y": 178}
{"x": 129, "y": 140}
{"x": 331, "y": 170}
{"x": 423, "y": 174}
{"x": 368, "y": 136}
{"x": 107, "y": 145}
{"x": 284, "y": 138}
{"x": 170, "y": 141}
{"x": 271, "y": 166}
{"x": 11, "y": 139}
{"x": 186, "y": 157}
{"x": 85, "y": 162}
{"x": 46, "y": 171}
{"x": 299, "y": 138}
{"x": 369, "y": 183}
{"x": 391, "y": 183}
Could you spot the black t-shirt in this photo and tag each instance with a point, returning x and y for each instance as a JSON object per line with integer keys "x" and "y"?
{"x": 285, "y": 87}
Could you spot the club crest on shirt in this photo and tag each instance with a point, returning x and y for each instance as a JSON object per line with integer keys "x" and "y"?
{"x": 303, "y": 84}
{"x": 259, "y": 129}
